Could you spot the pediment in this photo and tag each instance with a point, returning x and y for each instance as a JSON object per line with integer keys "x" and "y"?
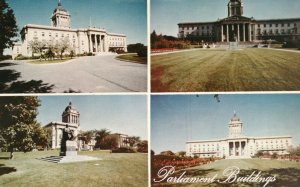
{"x": 236, "y": 19}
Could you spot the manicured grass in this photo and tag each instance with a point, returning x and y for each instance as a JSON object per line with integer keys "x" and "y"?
{"x": 226, "y": 70}
{"x": 115, "y": 169}
{"x": 43, "y": 61}
{"x": 287, "y": 173}
{"x": 133, "y": 58}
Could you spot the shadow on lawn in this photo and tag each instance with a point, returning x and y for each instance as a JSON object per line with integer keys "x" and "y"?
{"x": 9, "y": 83}
{"x": 6, "y": 170}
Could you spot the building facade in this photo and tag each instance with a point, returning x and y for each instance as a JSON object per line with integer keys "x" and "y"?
{"x": 70, "y": 117}
{"x": 237, "y": 145}
{"x": 82, "y": 40}
{"x": 238, "y": 28}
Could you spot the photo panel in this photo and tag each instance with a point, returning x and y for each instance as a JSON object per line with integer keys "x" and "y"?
{"x": 73, "y": 140}
{"x": 68, "y": 46}
{"x": 225, "y": 140}
{"x": 225, "y": 46}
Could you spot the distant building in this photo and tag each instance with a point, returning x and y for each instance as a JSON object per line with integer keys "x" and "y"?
{"x": 237, "y": 145}
{"x": 237, "y": 27}
{"x": 93, "y": 40}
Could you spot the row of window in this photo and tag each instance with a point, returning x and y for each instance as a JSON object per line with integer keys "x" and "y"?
{"x": 276, "y": 31}
{"x": 276, "y": 25}
{"x": 53, "y": 34}
{"x": 197, "y": 28}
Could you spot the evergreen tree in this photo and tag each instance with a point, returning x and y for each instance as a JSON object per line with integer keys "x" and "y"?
{"x": 8, "y": 26}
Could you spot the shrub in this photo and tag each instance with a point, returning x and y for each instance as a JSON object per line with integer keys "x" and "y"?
{"x": 135, "y": 48}
{"x": 5, "y": 57}
{"x": 143, "y": 52}
{"x": 90, "y": 54}
{"x": 120, "y": 51}
{"x": 123, "y": 150}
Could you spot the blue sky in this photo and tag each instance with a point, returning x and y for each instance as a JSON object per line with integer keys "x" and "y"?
{"x": 119, "y": 16}
{"x": 166, "y": 14}
{"x": 176, "y": 119}
{"x": 120, "y": 114}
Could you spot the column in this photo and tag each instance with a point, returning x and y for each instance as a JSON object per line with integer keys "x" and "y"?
{"x": 56, "y": 137}
{"x": 100, "y": 43}
{"x": 96, "y": 43}
{"x": 227, "y": 34}
{"x": 53, "y": 137}
{"x": 250, "y": 37}
{"x": 90, "y": 40}
{"x": 240, "y": 148}
{"x": 238, "y": 32}
{"x": 244, "y": 32}
{"x": 222, "y": 39}
{"x": 234, "y": 151}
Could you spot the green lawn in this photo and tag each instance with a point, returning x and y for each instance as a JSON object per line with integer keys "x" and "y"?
{"x": 287, "y": 173}
{"x": 116, "y": 169}
{"x": 226, "y": 70}
{"x": 133, "y": 58}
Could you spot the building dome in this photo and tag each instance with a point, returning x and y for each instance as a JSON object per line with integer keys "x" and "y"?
{"x": 71, "y": 108}
{"x": 60, "y": 8}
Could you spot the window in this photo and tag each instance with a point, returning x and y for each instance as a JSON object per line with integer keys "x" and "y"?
{"x": 50, "y": 34}
{"x": 270, "y": 25}
{"x": 265, "y": 25}
{"x": 289, "y": 24}
{"x": 43, "y": 33}
{"x": 276, "y": 25}
{"x": 295, "y": 24}
{"x": 56, "y": 35}
{"x": 282, "y": 24}
{"x": 35, "y": 33}
{"x": 258, "y": 25}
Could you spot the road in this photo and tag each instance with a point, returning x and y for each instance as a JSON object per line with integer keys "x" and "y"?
{"x": 84, "y": 74}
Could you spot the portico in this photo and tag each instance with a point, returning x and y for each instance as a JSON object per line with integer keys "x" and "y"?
{"x": 237, "y": 148}
{"x": 97, "y": 42}
{"x": 236, "y": 32}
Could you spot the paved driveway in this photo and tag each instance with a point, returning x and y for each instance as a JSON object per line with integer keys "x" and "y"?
{"x": 84, "y": 74}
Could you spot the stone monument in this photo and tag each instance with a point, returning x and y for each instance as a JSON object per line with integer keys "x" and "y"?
{"x": 68, "y": 143}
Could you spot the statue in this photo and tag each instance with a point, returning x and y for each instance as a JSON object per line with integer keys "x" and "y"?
{"x": 67, "y": 135}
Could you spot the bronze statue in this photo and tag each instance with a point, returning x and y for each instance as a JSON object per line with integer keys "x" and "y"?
{"x": 67, "y": 134}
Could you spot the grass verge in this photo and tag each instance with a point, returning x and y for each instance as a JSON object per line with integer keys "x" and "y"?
{"x": 132, "y": 58}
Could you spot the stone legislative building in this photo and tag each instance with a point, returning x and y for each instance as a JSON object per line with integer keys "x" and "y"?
{"x": 238, "y": 28}
{"x": 82, "y": 40}
{"x": 237, "y": 145}
{"x": 71, "y": 118}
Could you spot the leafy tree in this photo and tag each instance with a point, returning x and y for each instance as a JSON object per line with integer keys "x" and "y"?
{"x": 87, "y": 135}
{"x": 142, "y": 146}
{"x": 109, "y": 142}
{"x": 143, "y": 52}
{"x": 50, "y": 54}
{"x": 134, "y": 48}
{"x": 18, "y": 123}
{"x": 181, "y": 153}
{"x": 62, "y": 46}
{"x": 154, "y": 38}
{"x": 8, "y": 26}
{"x": 37, "y": 46}
{"x": 133, "y": 140}
{"x": 100, "y": 135}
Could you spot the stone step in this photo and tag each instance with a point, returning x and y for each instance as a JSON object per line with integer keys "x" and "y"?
{"x": 68, "y": 159}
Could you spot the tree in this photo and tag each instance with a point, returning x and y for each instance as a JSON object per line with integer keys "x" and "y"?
{"x": 100, "y": 135}
{"x": 8, "y": 26}
{"x": 18, "y": 123}
{"x": 132, "y": 140}
{"x": 87, "y": 135}
{"x": 109, "y": 142}
{"x": 50, "y": 49}
{"x": 37, "y": 46}
{"x": 154, "y": 38}
{"x": 134, "y": 48}
{"x": 62, "y": 46}
{"x": 181, "y": 153}
{"x": 142, "y": 146}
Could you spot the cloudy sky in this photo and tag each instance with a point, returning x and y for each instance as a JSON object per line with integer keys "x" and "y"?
{"x": 177, "y": 119}
{"x": 119, "y": 113}
{"x": 166, "y": 14}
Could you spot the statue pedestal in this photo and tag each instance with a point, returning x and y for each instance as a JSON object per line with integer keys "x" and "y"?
{"x": 70, "y": 149}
